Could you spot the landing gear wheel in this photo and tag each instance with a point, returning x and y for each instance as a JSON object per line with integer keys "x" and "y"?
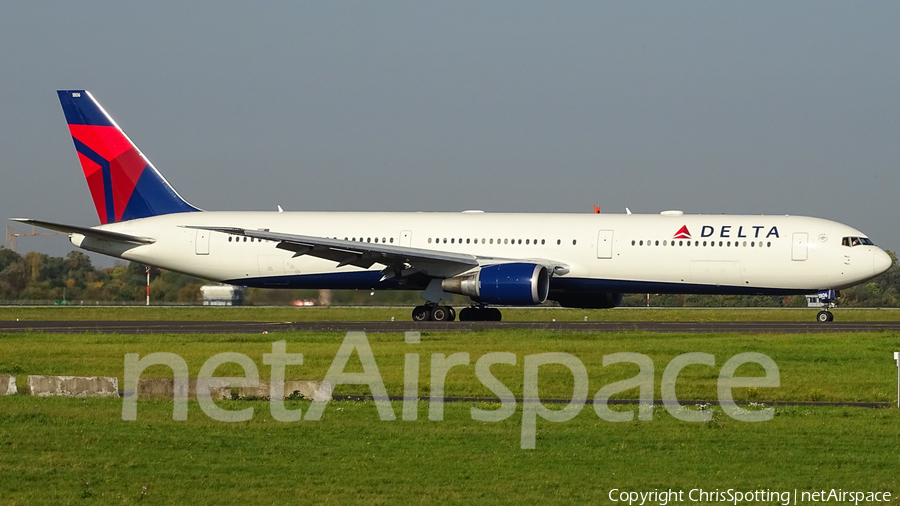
{"x": 442, "y": 314}
{"x": 492, "y": 314}
{"x": 421, "y": 314}
{"x": 452, "y": 313}
{"x": 825, "y": 316}
{"x": 466, "y": 314}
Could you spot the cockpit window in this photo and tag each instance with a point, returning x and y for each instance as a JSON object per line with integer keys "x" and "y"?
{"x": 856, "y": 241}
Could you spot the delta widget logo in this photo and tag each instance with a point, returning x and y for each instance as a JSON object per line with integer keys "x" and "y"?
{"x": 683, "y": 233}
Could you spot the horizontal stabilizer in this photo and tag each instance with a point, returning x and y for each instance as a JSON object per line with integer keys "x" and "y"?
{"x": 106, "y": 235}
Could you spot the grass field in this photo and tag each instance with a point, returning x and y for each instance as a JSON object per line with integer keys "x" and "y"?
{"x": 64, "y": 451}
{"x": 813, "y": 367}
{"x": 281, "y": 314}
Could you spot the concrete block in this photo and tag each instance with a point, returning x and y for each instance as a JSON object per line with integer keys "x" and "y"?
{"x": 73, "y": 386}
{"x": 323, "y": 391}
{"x": 8, "y": 385}
{"x": 164, "y": 388}
{"x": 262, "y": 391}
{"x": 309, "y": 389}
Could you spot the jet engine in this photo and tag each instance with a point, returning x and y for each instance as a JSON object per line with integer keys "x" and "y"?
{"x": 510, "y": 284}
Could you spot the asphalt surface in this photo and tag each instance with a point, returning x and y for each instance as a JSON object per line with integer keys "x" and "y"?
{"x": 240, "y": 327}
{"x": 628, "y": 402}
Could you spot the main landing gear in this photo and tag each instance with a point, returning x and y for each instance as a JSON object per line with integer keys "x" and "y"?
{"x": 825, "y": 316}
{"x": 436, "y": 313}
{"x": 433, "y": 312}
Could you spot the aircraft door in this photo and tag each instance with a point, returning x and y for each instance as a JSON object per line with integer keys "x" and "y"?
{"x": 201, "y": 243}
{"x": 604, "y": 244}
{"x": 798, "y": 246}
{"x": 406, "y": 238}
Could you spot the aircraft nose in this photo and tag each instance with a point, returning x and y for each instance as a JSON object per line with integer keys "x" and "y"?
{"x": 882, "y": 261}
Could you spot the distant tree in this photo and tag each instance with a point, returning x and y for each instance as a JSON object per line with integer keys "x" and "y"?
{"x": 190, "y": 294}
{"x": 14, "y": 278}
{"x": 8, "y": 257}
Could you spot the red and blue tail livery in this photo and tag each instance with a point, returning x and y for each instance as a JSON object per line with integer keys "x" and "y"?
{"x": 123, "y": 183}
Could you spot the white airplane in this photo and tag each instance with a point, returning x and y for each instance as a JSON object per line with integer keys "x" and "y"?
{"x": 577, "y": 260}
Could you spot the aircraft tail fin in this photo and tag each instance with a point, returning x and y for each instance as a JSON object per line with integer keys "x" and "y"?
{"x": 123, "y": 182}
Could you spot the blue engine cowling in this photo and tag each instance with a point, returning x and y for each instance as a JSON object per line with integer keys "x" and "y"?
{"x": 517, "y": 284}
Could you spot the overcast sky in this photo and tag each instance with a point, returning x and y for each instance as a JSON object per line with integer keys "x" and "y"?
{"x": 707, "y": 107}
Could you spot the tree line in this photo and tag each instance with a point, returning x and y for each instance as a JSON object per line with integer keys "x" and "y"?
{"x": 39, "y": 278}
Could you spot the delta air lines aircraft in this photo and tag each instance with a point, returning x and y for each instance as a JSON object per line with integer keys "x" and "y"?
{"x": 577, "y": 260}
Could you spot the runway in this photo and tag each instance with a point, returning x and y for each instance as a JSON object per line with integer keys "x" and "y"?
{"x": 242, "y": 327}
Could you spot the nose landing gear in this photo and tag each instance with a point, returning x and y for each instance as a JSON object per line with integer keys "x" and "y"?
{"x": 828, "y": 299}
{"x": 825, "y": 316}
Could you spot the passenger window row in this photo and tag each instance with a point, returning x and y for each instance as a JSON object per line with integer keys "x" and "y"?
{"x": 721, "y": 244}
{"x": 369, "y": 239}
{"x": 245, "y": 239}
{"x": 445, "y": 240}
{"x": 453, "y": 240}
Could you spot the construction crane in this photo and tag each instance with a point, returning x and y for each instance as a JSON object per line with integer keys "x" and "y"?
{"x": 12, "y": 233}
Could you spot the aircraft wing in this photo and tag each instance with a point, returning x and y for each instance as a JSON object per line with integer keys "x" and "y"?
{"x": 400, "y": 261}
{"x": 106, "y": 235}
